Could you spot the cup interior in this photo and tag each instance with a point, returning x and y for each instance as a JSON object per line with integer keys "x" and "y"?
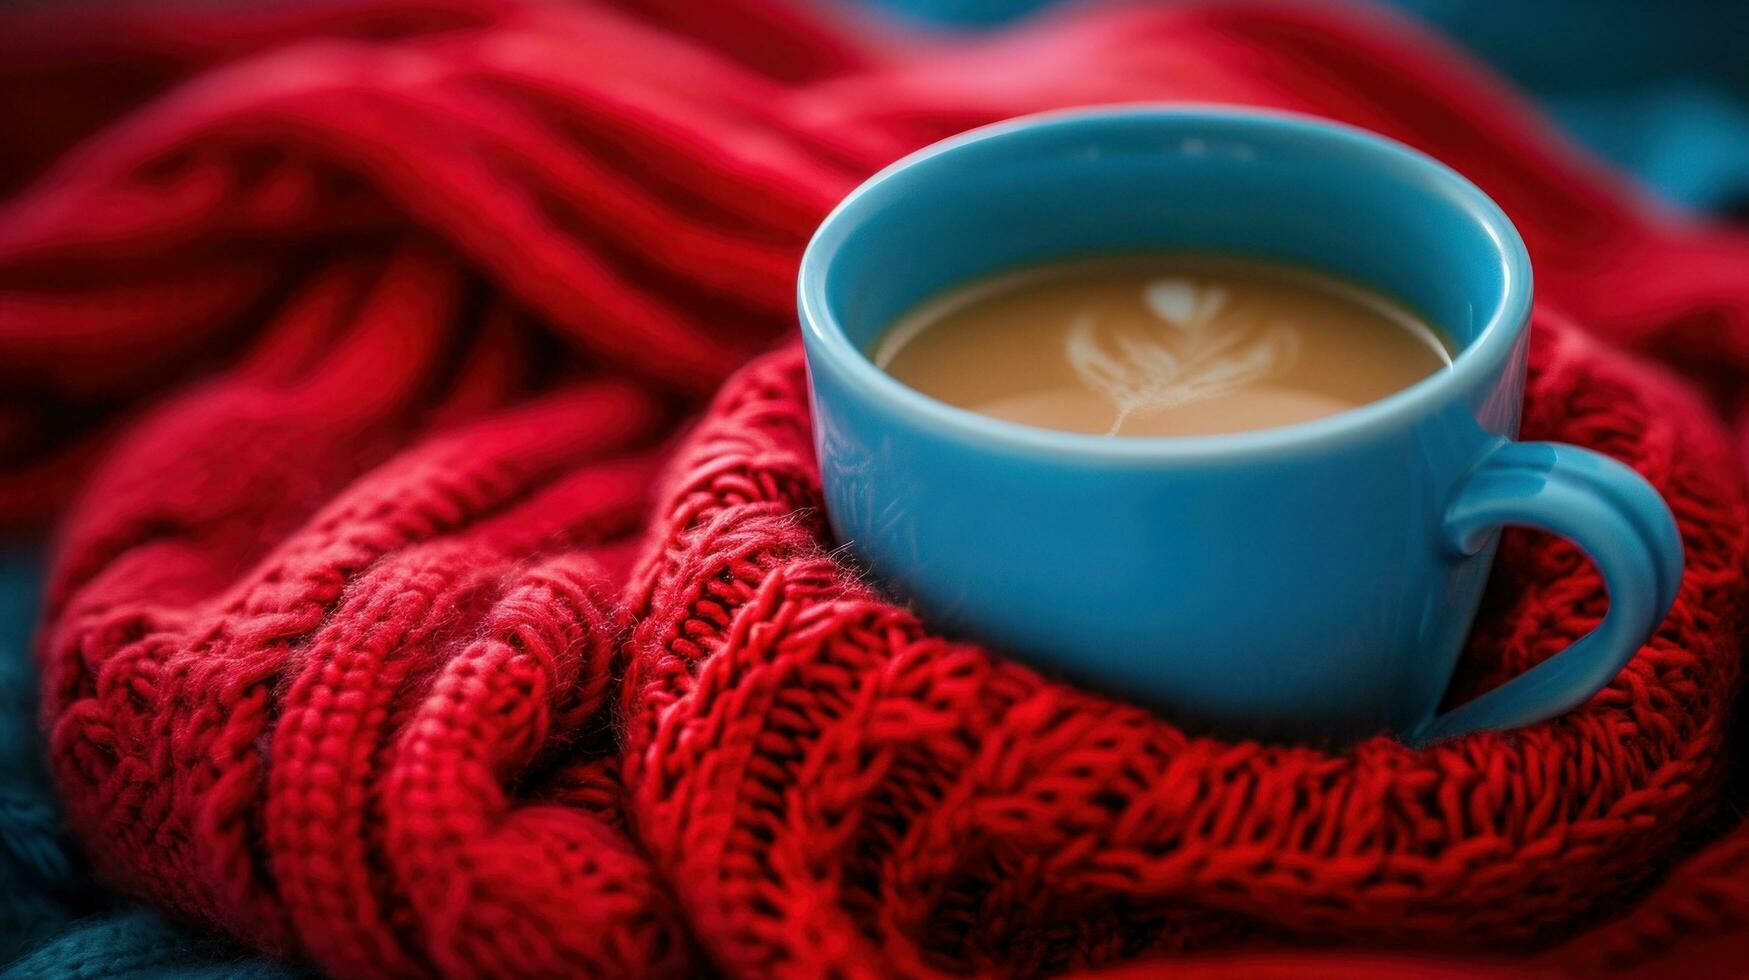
{"x": 1093, "y": 182}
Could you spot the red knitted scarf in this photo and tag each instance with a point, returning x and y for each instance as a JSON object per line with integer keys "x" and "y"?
{"x": 397, "y": 623}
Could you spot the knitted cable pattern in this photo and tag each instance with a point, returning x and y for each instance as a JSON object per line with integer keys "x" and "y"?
{"x": 395, "y": 627}
{"x": 810, "y": 762}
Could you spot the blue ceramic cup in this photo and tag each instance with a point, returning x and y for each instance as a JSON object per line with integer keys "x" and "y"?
{"x": 1309, "y": 581}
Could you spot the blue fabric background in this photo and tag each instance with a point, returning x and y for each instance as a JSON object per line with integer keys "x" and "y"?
{"x": 54, "y": 920}
{"x": 1662, "y": 89}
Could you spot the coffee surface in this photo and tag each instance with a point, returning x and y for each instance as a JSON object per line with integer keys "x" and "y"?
{"x": 1160, "y": 345}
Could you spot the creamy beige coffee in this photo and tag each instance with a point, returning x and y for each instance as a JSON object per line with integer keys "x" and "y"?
{"x": 1160, "y": 345}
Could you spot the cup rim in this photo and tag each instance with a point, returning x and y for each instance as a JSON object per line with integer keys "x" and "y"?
{"x": 1471, "y": 366}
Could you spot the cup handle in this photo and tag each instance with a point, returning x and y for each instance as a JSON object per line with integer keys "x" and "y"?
{"x": 1611, "y": 513}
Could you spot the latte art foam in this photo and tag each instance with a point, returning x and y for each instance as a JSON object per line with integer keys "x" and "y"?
{"x": 1160, "y": 345}
{"x": 1194, "y": 354}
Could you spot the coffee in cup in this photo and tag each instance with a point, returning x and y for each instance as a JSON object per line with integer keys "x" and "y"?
{"x": 1165, "y": 344}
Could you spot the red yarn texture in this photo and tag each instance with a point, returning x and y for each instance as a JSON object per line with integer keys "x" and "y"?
{"x": 400, "y": 622}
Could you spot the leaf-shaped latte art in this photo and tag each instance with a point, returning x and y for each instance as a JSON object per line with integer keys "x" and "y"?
{"x": 1182, "y": 303}
{"x": 1199, "y": 355}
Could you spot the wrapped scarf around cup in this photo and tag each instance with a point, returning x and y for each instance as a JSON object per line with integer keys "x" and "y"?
{"x": 393, "y": 628}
